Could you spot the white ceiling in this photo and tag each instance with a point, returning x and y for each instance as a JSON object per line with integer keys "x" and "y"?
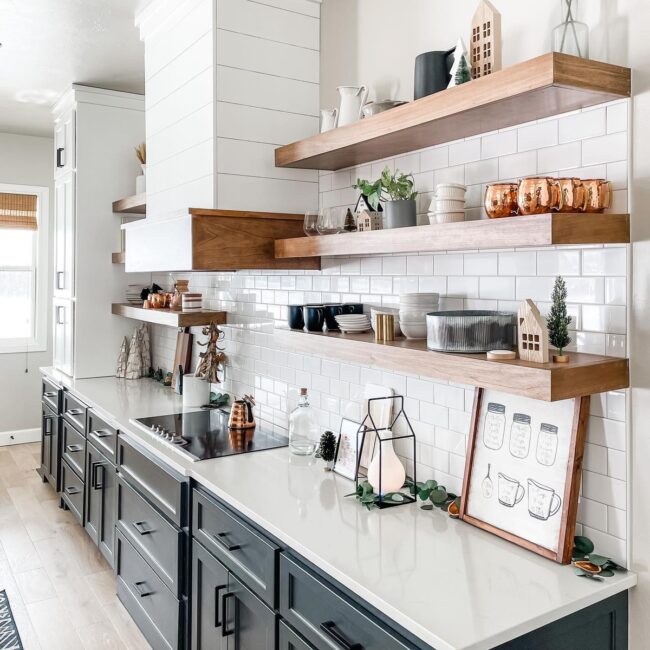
{"x": 49, "y": 44}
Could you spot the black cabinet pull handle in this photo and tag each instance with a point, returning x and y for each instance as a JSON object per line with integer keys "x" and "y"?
{"x": 141, "y": 588}
{"x": 221, "y": 538}
{"x": 224, "y": 614}
{"x": 72, "y": 490}
{"x": 329, "y": 627}
{"x": 59, "y": 157}
{"x": 140, "y": 527}
{"x": 101, "y": 433}
{"x": 217, "y": 589}
{"x": 94, "y": 478}
{"x": 48, "y": 425}
{"x": 74, "y": 412}
{"x": 73, "y": 449}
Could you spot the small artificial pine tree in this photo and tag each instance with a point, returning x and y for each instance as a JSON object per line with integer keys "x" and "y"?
{"x": 327, "y": 447}
{"x": 463, "y": 74}
{"x": 558, "y": 320}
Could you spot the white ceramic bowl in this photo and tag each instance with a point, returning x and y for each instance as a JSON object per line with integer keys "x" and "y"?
{"x": 414, "y": 331}
{"x": 449, "y": 205}
{"x": 416, "y": 314}
{"x": 451, "y": 191}
{"x": 446, "y": 217}
{"x": 418, "y": 297}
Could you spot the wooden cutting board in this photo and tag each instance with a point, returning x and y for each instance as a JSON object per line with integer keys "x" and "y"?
{"x": 183, "y": 356}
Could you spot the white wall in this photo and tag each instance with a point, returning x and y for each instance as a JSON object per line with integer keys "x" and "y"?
{"x": 25, "y": 160}
{"x": 376, "y": 41}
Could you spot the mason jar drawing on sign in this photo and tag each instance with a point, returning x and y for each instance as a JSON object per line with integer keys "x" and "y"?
{"x": 547, "y": 444}
{"x": 520, "y": 433}
{"x": 495, "y": 426}
{"x": 543, "y": 502}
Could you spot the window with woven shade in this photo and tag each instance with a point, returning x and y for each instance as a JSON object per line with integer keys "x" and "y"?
{"x": 23, "y": 268}
{"x": 18, "y": 211}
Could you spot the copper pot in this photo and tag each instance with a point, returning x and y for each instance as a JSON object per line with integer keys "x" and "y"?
{"x": 501, "y": 200}
{"x": 157, "y": 300}
{"x": 539, "y": 195}
{"x": 598, "y": 194}
{"x": 573, "y": 194}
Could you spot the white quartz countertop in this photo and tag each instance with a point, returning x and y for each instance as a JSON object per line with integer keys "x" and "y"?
{"x": 450, "y": 584}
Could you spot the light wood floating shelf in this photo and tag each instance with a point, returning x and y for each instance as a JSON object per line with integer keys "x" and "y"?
{"x": 547, "y": 85}
{"x": 136, "y": 204}
{"x": 168, "y": 317}
{"x": 585, "y": 374}
{"x": 118, "y": 258}
{"x": 513, "y": 232}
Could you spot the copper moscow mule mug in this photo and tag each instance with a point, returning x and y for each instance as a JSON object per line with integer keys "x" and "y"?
{"x": 539, "y": 195}
{"x": 598, "y": 194}
{"x": 573, "y": 194}
{"x": 501, "y": 200}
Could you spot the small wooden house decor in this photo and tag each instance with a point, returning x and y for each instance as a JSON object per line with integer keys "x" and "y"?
{"x": 485, "y": 42}
{"x": 370, "y": 221}
{"x": 532, "y": 334}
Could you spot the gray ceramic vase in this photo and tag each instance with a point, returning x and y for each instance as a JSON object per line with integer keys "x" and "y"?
{"x": 400, "y": 214}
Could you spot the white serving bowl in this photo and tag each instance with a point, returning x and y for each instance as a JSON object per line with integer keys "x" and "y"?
{"x": 446, "y": 217}
{"x": 414, "y": 330}
{"x": 410, "y": 315}
{"x": 418, "y": 297}
{"x": 449, "y": 205}
{"x": 451, "y": 191}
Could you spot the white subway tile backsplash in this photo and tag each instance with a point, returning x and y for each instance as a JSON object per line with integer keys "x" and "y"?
{"x": 439, "y": 411}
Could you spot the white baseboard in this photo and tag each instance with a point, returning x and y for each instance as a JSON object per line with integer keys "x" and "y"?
{"x": 19, "y": 437}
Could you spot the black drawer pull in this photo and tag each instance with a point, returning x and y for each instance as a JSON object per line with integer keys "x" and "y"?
{"x": 221, "y": 538}
{"x": 74, "y": 412}
{"x": 140, "y": 527}
{"x": 217, "y": 589}
{"x": 59, "y": 157}
{"x": 329, "y": 627}
{"x": 72, "y": 490}
{"x": 73, "y": 449}
{"x": 141, "y": 588}
{"x": 101, "y": 433}
{"x": 224, "y": 614}
{"x": 94, "y": 476}
{"x": 48, "y": 425}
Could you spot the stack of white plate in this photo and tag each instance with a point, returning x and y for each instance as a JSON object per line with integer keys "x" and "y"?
{"x": 448, "y": 204}
{"x": 394, "y": 311}
{"x": 133, "y": 292}
{"x": 413, "y": 311}
{"x": 353, "y": 323}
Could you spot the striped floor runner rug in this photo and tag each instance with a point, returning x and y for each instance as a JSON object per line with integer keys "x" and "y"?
{"x": 9, "y": 637}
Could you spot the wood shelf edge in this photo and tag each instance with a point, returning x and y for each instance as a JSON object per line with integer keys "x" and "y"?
{"x": 168, "y": 317}
{"x": 135, "y": 204}
{"x": 118, "y": 258}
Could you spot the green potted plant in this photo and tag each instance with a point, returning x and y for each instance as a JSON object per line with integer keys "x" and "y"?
{"x": 397, "y": 193}
{"x": 558, "y": 321}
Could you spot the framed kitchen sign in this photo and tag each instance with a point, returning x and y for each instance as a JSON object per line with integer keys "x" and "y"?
{"x": 523, "y": 470}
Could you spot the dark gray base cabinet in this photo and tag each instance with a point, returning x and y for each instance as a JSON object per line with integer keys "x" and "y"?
{"x": 101, "y": 502}
{"x": 226, "y": 615}
{"x": 50, "y": 456}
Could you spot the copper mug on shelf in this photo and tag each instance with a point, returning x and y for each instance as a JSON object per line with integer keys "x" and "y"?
{"x": 598, "y": 194}
{"x": 501, "y": 200}
{"x": 539, "y": 196}
{"x": 573, "y": 194}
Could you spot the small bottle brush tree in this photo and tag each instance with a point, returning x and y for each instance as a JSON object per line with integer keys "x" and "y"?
{"x": 327, "y": 449}
{"x": 558, "y": 320}
{"x": 463, "y": 74}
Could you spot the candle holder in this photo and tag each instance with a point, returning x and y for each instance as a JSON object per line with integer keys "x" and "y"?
{"x": 385, "y": 468}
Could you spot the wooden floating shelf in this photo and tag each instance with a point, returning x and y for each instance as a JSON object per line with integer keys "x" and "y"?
{"x": 136, "y": 204}
{"x": 118, "y": 258}
{"x": 547, "y": 85}
{"x": 513, "y": 232}
{"x": 168, "y": 317}
{"x": 585, "y": 374}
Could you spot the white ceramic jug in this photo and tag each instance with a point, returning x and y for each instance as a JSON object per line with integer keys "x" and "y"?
{"x": 352, "y": 100}
{"x": 328, "y": 119}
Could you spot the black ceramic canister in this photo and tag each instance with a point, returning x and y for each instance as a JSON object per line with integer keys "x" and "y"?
{"x": 432, "y": 72}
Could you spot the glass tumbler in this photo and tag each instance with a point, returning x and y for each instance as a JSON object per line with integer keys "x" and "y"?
{"x": 311, "y": 221}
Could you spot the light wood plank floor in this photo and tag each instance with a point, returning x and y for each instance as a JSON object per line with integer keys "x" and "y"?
{"x": 61, "y": 590}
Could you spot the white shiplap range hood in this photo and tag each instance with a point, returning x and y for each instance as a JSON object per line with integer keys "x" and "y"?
{"x": 226, "y": 82}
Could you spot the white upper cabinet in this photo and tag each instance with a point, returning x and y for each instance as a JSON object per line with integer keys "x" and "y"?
{"x": 64, "y": 239}
{"x": 64, "y": 143}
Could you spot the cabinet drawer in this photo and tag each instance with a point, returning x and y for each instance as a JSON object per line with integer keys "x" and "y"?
{"x": 51, "y": 395}
{"x": 74, "y": 411}
{"x": 167, "y": 491}
{"x": 325, "y": 617}
{"x": 72, "y": 492}
{"x": 102, "y": 435}
{"x": 161, "y": 544}
{"x": 155, "y": 610}
{"x": 73, "y": 448}
{"x": 241, "y": 548}
{"x": 291, "y": 640}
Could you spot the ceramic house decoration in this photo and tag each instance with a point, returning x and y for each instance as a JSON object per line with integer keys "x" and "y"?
{"x": 485, "y": 42}
{"x": 532, "y": 334}
{"x": 369, "y": 221}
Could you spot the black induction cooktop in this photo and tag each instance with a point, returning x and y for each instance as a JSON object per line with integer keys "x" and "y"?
{"x": 205, "y": 434}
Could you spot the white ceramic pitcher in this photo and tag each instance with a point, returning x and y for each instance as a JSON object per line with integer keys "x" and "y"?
{"x": 328, "y": 119}
{"x": 352, "y": 100}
